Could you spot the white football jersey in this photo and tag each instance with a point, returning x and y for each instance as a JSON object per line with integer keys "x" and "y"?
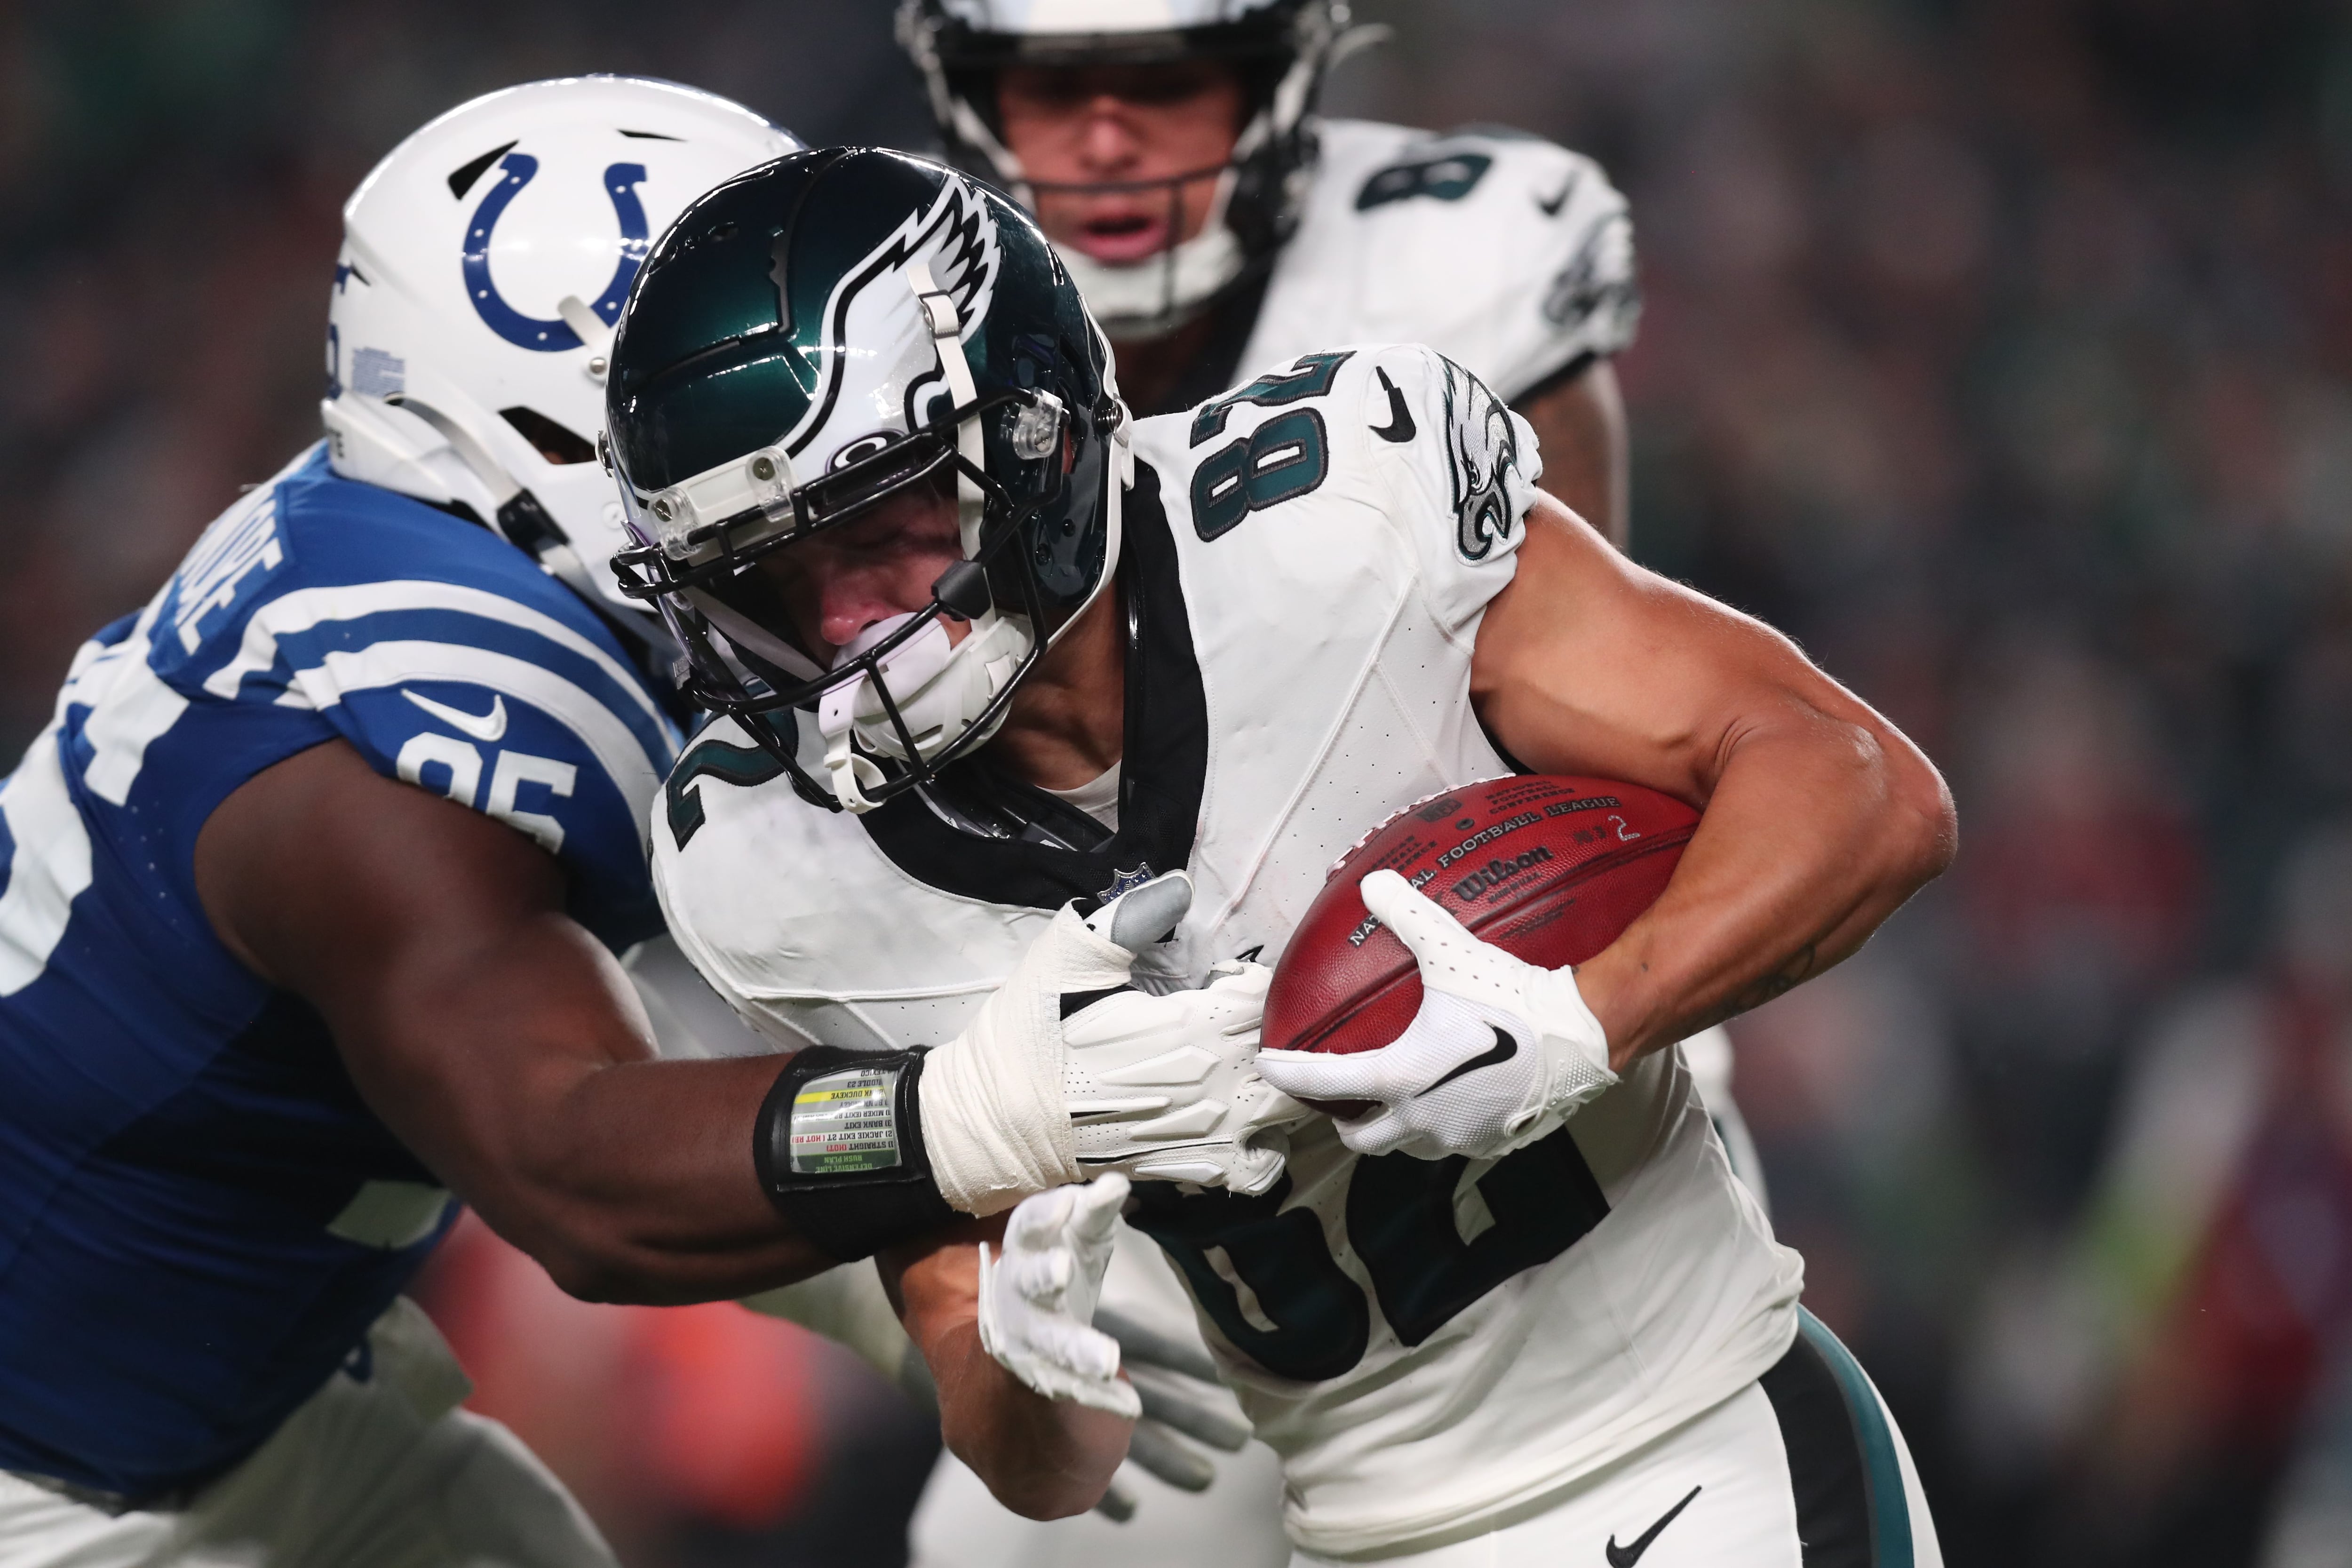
{"x": 1426, "y": 1344}
{"x": 1510, "y": 256}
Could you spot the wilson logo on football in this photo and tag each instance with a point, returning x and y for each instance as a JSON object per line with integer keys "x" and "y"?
{"x": 1498, "y": 871}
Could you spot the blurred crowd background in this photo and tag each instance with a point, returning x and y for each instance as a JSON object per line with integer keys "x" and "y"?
{"x": 1998, "y": 349}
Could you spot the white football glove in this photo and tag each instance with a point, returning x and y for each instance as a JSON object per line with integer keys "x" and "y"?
{"x": 1501, "y": 1053}
{"x": 1037, "y": 1301}
{"x": 1069, "y": 1072}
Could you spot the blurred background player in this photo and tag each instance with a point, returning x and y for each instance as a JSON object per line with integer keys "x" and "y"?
{"x": 314, "y": 884}
{"x": 1217, "y": 224}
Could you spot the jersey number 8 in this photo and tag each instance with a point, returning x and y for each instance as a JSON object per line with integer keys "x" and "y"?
{"x": 1281, "y": 461}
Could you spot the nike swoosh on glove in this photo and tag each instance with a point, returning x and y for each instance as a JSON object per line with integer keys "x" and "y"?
{"x": 1501, "y": 1053}
{"x": 1038, "y": 1301}
{"x": 1069, "y": 1071}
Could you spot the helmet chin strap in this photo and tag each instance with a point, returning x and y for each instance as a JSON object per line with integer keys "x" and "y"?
{"x": 521, "y": 520}
{"x": 945, "y": 323}
{"x": 947, "y": 688}
{"x": 951, "y": 685}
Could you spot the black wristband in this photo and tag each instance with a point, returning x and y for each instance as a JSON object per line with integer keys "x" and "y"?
{"x": 839, "y": 1149}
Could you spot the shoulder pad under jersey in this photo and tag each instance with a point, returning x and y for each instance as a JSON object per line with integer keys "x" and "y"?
{"x": 1303, "y": 465}
{"x": 322, "y": 607}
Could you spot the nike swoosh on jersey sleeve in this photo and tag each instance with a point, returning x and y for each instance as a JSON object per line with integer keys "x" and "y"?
{"x": 1470, "y": 462}
{"x": 635, "y": 769}
{"x": 487, "y": 728}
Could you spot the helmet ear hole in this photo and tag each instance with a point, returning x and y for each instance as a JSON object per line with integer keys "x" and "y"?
{"x": 555, "y": 443}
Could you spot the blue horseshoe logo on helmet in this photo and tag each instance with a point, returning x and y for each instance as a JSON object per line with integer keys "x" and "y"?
{"x": 524, "y": 332}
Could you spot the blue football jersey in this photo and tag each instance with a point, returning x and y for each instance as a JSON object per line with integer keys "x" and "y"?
{"x": 198, "y": 1216}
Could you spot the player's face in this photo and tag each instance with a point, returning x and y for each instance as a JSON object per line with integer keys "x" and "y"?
{"x": 1113, "y": 124}
{"x": 837, "y": 583}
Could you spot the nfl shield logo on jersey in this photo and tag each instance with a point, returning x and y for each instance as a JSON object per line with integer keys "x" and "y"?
{"x": 1125, "y": 881}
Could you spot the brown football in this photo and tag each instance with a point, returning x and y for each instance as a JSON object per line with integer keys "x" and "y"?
{"x": 1548, "y": 867}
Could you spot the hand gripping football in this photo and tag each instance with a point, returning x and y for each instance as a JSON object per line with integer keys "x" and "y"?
{"x": 1548, "y": 869}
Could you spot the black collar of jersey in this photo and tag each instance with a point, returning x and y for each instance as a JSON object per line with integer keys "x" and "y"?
{"x": 1019, "y": 845}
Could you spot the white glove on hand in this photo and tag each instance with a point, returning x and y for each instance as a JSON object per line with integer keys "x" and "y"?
{"x": 1501, "y": 1053}
{"x": 1037, "y": 1301}
{"x": 1069, "y": 1072}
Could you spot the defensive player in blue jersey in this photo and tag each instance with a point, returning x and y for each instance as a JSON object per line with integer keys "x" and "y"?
{"x": 306, "y": 900}
{"x": 311, "y": 893}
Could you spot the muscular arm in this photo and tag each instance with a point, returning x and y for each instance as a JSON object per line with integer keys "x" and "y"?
{"x": 1043, "y": 1458}
{"x": 495, "y": 1036}
{"x": 1821, "y": 817}
{"x": 1580, "y": 422}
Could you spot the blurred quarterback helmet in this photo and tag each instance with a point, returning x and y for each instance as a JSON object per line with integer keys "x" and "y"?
{"x": 831, "y": 330}
{"x": 484, "y": 263}
{"x": 1283, "y": 48}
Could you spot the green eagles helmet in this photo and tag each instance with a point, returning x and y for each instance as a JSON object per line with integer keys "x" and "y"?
{"x": 825, "y": 332}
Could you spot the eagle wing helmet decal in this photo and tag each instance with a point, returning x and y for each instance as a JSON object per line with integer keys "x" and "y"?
{"x": 1482, "y": 452}
{"x": 925, "y": 344}
{"x": 874, "y": 303}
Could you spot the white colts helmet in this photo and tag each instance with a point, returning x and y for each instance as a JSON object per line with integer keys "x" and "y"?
{"x": 484, "y": 263}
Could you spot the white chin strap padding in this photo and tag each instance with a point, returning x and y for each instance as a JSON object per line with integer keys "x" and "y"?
{"x": 946, "y": 326}
{"x": 940, "y": 690}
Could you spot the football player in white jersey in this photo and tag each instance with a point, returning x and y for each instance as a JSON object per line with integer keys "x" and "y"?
{"x": 310, "y": 896}
{"x": 1216, "y": 225}
{"x": 932, "y": 575}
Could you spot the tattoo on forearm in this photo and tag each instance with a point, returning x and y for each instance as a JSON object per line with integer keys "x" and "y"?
{"x": 1773, "y": 984}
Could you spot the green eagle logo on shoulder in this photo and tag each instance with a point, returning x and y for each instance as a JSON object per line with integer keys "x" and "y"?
{"x": 1482, "y": 455}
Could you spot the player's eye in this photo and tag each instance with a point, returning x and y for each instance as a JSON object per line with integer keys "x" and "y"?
{"x": 1161, "y": 86}
{"x": 1041, "y": 88}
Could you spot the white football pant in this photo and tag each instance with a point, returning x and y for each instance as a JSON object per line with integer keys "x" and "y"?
{"x": 1802, "y": 1468}
{"x": 378, "y": 1470}
{"x": 1237, "y": 1523}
